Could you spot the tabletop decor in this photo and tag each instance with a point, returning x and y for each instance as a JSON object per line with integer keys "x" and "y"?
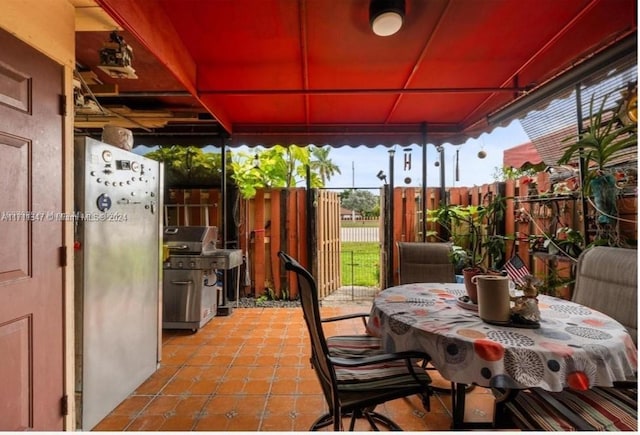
{"x": 575, "y": 346}
{"x": 493, "y": 298}
{"x": 525, "y": 309}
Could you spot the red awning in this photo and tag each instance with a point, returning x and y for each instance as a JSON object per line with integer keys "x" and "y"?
{"x": 312, "y": 71}
{"x": 521, "y": 155}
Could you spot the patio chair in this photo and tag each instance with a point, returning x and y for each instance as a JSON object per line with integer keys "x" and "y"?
{"x": 354, "y": 386}
{"x": 425, "y": 262}
{"x": 606, "y": 281}
{"x": 352, "y": 346}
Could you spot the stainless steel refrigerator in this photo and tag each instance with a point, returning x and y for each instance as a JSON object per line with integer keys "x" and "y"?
{"x": 118, "y": 283}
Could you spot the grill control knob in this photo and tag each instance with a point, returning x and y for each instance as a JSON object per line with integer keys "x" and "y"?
{"x": 180, "y": 265}
{"x": 192, "y": 264}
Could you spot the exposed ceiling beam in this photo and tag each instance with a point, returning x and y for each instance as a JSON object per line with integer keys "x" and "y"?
{"x": 305, "y": 55}
{"x": 464, "y": 90}
{"x": 418, "y": 61}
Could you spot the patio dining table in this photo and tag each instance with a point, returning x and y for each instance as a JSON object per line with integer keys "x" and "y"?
{"x": 575, "y": 346}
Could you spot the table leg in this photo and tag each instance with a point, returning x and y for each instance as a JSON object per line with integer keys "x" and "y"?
{"x": 458, "y": 393}
{"x": 458, "y": 398}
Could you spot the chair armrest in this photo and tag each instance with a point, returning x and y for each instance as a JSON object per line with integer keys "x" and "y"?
{"x": 363, "y": 316}
{"x": 344, "y": 317}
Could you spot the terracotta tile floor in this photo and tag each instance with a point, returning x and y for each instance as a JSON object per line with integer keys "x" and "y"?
{"x": 250, "y": 372}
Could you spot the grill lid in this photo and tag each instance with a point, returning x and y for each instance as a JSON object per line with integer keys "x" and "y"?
{"x": 190, "y": 240}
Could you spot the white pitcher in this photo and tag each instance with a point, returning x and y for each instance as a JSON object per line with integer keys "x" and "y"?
{"x": 494, "y": 304}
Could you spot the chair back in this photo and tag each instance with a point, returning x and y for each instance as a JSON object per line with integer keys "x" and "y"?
{"x": 425, "y": 262}
{"x": 607, "y": 281}
{"x": 308, "y": 292}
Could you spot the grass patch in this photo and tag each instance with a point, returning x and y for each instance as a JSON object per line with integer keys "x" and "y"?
{"x": 360, "y": 262}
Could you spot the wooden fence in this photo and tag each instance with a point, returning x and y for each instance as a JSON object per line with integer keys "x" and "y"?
{"x": 277, "y": 219}
{"x": 274, "y": 220}
{"x": 327, "y": 242}
{"x": 193, "y": 207}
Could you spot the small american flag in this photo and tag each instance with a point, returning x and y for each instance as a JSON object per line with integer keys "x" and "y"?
{"x": 516, "y": 269}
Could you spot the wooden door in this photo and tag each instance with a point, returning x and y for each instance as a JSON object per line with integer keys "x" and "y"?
{"x": 31, "y": 276}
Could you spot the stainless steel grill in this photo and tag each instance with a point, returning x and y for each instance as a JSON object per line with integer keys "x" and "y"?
{"x": 195, "y": 277}
{"x": 190, "y": 240}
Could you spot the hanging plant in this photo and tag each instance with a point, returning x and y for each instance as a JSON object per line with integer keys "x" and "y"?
{"x": 599, "y": 145}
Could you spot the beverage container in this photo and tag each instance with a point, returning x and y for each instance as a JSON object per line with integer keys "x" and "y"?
{"x": 493, "y": 298}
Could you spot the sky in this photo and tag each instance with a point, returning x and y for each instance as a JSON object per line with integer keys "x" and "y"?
{"x": 360, "y": 165}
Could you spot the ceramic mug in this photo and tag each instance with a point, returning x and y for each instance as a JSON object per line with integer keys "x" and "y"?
{"x": 494, "y": 303}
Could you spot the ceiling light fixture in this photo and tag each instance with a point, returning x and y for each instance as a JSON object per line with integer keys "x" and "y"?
{"x": 386, "y": 16}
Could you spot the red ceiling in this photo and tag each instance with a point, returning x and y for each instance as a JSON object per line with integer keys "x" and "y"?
{"x": 311, "y": 71}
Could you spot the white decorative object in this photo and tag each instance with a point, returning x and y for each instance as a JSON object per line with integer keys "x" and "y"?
{"x": 117, "y": 136}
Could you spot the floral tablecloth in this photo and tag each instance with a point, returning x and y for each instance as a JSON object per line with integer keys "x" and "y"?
{"x": 575, "y": 346}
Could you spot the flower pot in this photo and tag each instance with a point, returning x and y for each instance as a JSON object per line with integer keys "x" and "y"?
{"x": 472, "y": 290}
{"x": 604, "y": 192}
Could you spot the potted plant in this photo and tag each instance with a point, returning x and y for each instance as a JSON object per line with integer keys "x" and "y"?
{"x": 553, "y": 284}
{"x": 474, "y": 239}
{"x": 567, "y": 242}
{"x": 459, "y": 258}
{"x": 531, "y": 184}
{"x": 598, "y": 145}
